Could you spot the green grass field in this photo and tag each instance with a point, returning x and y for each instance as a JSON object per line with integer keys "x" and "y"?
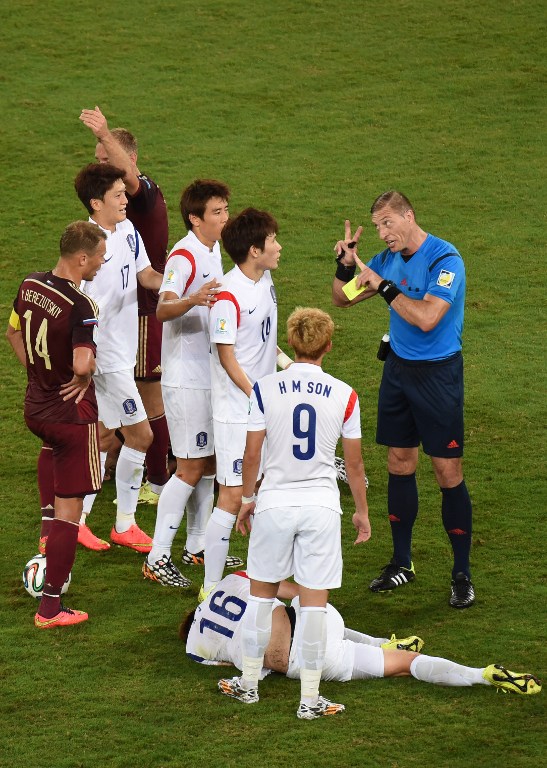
{"x": 309, "y": 109}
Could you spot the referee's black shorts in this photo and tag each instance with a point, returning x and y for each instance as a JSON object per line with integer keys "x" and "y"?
{"x": 421, "y": 401}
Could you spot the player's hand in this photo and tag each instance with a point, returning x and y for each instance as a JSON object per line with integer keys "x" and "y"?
{"x": 95, "y": 121}
{"x": 362, "y": 526}
{"x": 347, "y": 248}
{"x": 244, "y": 518}
{"x": 367, "y": 278}
{"x": 206, "y": 296}
{"x": 76, "y": 387}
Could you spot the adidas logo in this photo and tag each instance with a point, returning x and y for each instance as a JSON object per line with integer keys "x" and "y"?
{"x": 453, "y": 444}
{"x": 399, "y": 579}
{"x": 157, "y": 369}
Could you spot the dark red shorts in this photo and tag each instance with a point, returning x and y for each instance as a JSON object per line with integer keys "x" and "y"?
{"x": 76, "y": 461}
{"x": 149, "y": 351}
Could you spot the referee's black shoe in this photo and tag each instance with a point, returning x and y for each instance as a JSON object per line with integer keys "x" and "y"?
{"x": 462, "y": 594}
{"x": 392, "y": 576}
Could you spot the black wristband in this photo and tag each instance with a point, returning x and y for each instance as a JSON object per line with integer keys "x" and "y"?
{"x": 345, "y": 273}
{"x": 388, "y": 290}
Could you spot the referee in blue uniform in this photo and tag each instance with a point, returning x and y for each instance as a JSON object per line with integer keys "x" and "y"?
{"x": 422, "y": 280}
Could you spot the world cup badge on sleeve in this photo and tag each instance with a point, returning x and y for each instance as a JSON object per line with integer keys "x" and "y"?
{"x": 446, "y": 278}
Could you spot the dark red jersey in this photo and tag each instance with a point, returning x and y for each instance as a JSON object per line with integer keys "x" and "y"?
{"x": 147, "y": 211}
{"x": 55, "y": 317}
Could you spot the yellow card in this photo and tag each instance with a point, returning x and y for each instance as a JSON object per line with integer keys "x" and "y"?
{"x": 351, "y": 290}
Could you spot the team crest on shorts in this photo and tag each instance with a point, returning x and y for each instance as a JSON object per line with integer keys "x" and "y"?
{"x": 274, "y": 295}
{"x": 131, "y": 243}
{"x": 220, "y": 326}
{"x": 201, "y": 439}
{"x": 130, "y": 407}
{"x": 446, "y": 278}
{"x": 238, "y": 466}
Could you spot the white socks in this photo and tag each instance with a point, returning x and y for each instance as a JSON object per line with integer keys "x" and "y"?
{"x": 172, "y": 501}
{"x": 90, "y": 498}
{"x": 310, "y": 649}
{"x": 256, "y": 631}
{"x": 129, "y": 471}
{"x": 362, "y": 639}
{"x": 198, "y": 512}
{"x": 433, "y": 669}
{"x": 217, "y": 542}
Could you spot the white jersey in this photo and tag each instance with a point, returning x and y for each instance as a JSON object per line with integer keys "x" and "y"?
{"x": 215, "y": 634}
{"x": 214, "y": 637}
{"x": 115, "y": 290}
{"x": 185, "y": 340}
{"x": 245, "y": 315}
{"x": 304, "y": 412}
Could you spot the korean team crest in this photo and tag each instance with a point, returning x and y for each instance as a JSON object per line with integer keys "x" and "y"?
{"x": 274, "y": 295}
{"x": 130, "y": 407}
{"x": 446, "y": 278}
{"x": 238, "y": 466}
{"x": 201, "y": 439}
{"x": 221, "y": 325}
{"x": 131, "y": 243}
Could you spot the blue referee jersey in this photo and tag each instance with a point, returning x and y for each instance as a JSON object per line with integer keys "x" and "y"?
{"x": 437, "y": 269}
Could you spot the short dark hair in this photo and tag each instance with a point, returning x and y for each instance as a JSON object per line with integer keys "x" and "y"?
{"x": 186, "y": 623}
{"x": 248, "y": 228}
{"x": 80, "y": 236}
{"x": 94, "y": 181}
{"x": 394, "y": 199}
{"x": 195, "y": 197}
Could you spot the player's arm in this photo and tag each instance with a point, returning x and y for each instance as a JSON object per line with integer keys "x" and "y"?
{"x": 96, "y": 122}
{"x": 283, "y": 360}
{"x": 251, "y": 465}
{"x": 355, "y": 472}
{"x": 424, "y": 313}
{"x": 150, "y": 279}
{"x": 15, "y": 338}
{"x": 170, "y": 305}
{"x": 228, "y": 361}
{"x": 83, "y": 365}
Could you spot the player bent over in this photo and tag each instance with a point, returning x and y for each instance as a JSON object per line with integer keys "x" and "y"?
{"x": 301, "y": 412}
{"x": 52, "y": 329}
{"x": 212, "y": 634}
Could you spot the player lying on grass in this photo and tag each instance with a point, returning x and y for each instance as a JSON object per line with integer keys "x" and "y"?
{"x": 212, "y": 636}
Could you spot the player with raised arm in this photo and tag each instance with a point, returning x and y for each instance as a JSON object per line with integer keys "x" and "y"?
{"x": 101, "y": 189}
{"x": 212, "y": 633}
{"x": 147, "y": 210}
{"x": 190, "y": 285}
{"x": 52, "y": 330}
{"x": 243, "y": 330}
{"x": 301, "y": 412}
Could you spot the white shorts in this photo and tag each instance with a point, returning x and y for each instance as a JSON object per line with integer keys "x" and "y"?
{"x": 190, "y": 421}
{"x": 118, "y": 398}
{"x": 300, "y": 541}
{"x": 340, "y": 654}
{"x": 230, "y": 442}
